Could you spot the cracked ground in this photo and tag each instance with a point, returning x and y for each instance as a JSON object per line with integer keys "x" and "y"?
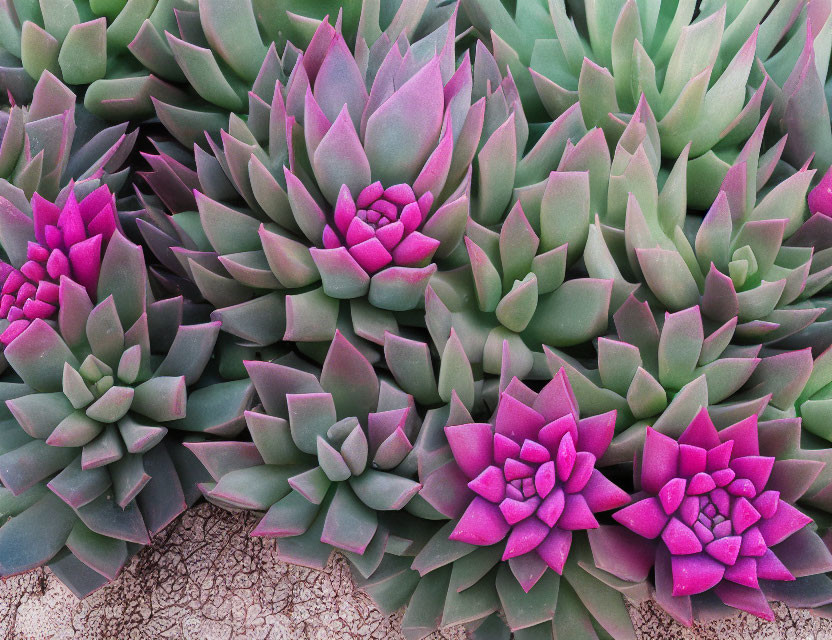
{"x": 205, "y": 579}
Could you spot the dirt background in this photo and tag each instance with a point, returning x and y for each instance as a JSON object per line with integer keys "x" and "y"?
{"x": 205, "y": 579}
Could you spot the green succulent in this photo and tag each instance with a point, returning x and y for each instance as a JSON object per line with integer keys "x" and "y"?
{"x": 91, "y": 462}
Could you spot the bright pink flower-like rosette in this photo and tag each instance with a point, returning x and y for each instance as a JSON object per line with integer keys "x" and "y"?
{"x": 534, "y": 476}
{"x": 718, "y": 520}
{"x": 380, "y": 226}
{"x": 69, "y": 240}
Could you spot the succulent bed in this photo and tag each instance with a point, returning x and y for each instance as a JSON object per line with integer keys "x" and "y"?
{"x": 524, "y": 307}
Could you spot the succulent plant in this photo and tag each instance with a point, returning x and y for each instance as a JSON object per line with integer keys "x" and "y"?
{"x": 694, "y": 64}
{"x": 66, "y": 239}
{"x": 523, "y": 280}
{"x": 309, "y": 215}
{"x": 751, "y": 257}
{"x": 520, "y": 490}
{"x": 533, "y": 473}
{"x": 88, "y": 438}
{"x": 325, "y": 464}
{"x": 714, "y": 516}
{"x": 52, "y": 141}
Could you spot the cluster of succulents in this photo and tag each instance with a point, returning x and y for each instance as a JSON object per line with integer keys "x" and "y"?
{"x": 524, "y": 308}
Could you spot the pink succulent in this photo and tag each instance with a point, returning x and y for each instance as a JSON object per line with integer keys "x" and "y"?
{"x": 707, "y": 504}
{"x": 381, "y": 226}
{"x": 534, "y": 476}
{"x": 69, "y": 241}
{"x": 820, "y": 198}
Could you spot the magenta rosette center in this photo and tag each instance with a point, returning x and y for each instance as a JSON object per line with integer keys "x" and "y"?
{"x": 533, "y": 474}
{"x": 380, "y": 226}
{"x": 68, "y": 241}
{"x": 707, "y": 503}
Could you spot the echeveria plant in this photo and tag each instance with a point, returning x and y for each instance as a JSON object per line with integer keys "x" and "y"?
{"x": 339, "y": 208}
{"x": 716, "y": 518}
{"x": 325, "y": 464}
{"x": 752, "y": 257}
{"x": 520, "y": 491}
{"x": 101, "y": 389}
{"x": 60, "y": 240}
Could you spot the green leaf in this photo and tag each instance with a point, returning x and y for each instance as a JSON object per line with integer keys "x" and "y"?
{"x": 162, "y": 398}
{"x": 455, "y": 373}
{"x": 384, "y": 491}
{"x": 349, "y": 525}
{"x": 524, "y": 609}
{"x": 310, "y": 417}
{"x": 517, "y": 307}
{"x": 39, "y": 50}
{"x": 34, "y": 537}
{"x": 83, "y": 56}
{"x": 38, "y": 355}
{"x": 518, "y": 246}
{"x": 289, "y": 260}
{"x": 204, "y": 74}
{"x": 105, "y": 333}
{"x": 106, "y": 555}
{"x": 496, "y": 161}
{"x": 76, "y": 430}
{"x": 617, "y": 364}
{"x": 342, "y": 276}
{"x": 668, "y": 277}
{"x": 39, "y": 413}
{"x": 290, "y": 516}
{"x": 410, "y": 363}
{"x": 400, "y": 288}
{"x": 231, "y": 28}
{"x": 680, "y": 346}
{"x": 256, "y": 488}
{"x": 596, "y": 93}
{"x": 574, "y": 313}
{"x": 124, "y": 277}
{"x": 646, "y": 397}
{"x": 486, "y": 277}
{"x": 350, "y": 378}
{"x": 217, "y": 408}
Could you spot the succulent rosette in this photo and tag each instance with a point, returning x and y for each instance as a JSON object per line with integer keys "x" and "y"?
{"x": 97, "y": 45}
{"x": 716, "y": 517}
{"x": 520, "y": 490}
{"x": 325, "y": 461}
{"x": 101, "y": 389}
{"x": 533, "y": 473}
{"x": 521, "y": 285}
{"x": 66, "y": 239}
{"x": 353, "y": 214}
{"x": 50, "y": 141}
{"x": 694, "y": 64}
{"x": 759, "y": 258}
